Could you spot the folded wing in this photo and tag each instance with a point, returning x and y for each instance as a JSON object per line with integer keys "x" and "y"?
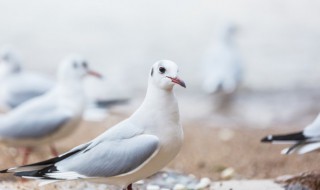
{"x": 104, "y": 159}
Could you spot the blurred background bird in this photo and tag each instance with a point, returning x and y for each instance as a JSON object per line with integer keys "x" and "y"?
{"x": 18, "y": 85}
{"x": 222, "y": 66}
{"x": 51, "y": 116}
{"x": 303, "y": 141}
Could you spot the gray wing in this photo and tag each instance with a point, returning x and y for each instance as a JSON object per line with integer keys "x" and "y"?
{"x": 18, "y": 98}
{"x": 33, "y": 123}
{"x": 109, "y": 158}
{"x": 26, "y": 86}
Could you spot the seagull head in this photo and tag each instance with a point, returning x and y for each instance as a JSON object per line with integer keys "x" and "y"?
{"x": 9, "y": 60}
{"x": 75, "y": 68}
{"x": 164, "y": 74}
{"x": 227, "y": 31}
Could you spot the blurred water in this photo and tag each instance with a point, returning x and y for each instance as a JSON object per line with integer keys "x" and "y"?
{"x": 278, "y": 40}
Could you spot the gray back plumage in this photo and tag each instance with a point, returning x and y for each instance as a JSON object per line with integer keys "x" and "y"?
{"x": 33, "y": 121}
{"x": 111, "y": 158}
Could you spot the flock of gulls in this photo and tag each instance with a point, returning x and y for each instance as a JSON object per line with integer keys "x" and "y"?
{"x": 40, "y": 111}
{"x": 43, "y": 113}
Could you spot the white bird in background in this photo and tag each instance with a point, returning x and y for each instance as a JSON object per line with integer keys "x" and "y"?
{"x": 222, "y": 64}
{"x": 49, "y": 117}
{"x": 303, "y": 141}
{"x": 129, "y": 151}
{"x": 101, "y": 96}
{"x": 16, "y": 84}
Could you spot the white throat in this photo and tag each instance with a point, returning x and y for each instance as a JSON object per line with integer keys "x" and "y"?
{"x": 159, "y": 105}
{"x": 71, "y": 94}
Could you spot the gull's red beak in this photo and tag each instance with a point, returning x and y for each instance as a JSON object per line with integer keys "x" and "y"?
{"x": 94, "y": 73}
{"x": 178, "y": 81}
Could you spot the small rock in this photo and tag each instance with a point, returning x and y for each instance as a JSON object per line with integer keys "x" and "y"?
{"x": 102, "y": 187}
{"x": 192, "y": 176}
{"x": 153, "y": 187}
{"x": 140, "y": 182}
{"x": 283, "y": 179}
{"x": 204, "y": 182}
{"x": 228, "y": 173}
{"x": 164, "y": 175}
{"x": 179, "y": 187}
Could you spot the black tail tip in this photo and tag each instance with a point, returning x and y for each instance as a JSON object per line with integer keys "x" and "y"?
{"x": 4, "y": 171}
{"x": 267, "y": 139}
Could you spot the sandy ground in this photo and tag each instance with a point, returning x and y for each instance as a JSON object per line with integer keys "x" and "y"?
{"x": 206, "y": 154}
{"x": 221, "y": 185}
{"x": 208, "y": 150}
{"x": 246, "y": 185}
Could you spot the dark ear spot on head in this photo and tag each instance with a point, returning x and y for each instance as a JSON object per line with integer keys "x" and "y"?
{"x": 152, "y": 72}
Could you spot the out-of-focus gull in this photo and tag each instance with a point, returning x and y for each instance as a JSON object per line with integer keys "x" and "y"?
{"x": 102, "y": 95}
{"x": 97, "y": 110}
{"x": 303, "y": 141}
{"x": 129, "y": 151}
{"x": 222, "y": 63}
{"x": 51, "y": 116}
{"x": 16, "y": 84}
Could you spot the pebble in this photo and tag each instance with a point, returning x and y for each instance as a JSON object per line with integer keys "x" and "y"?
{"x": 165, "y": 175}
{"x": 153, "y": 187}
{"x": 227, "y": 173}
{"x": 140, "y": 182}
{"x": 179, "y": 187}
{"x": 204, "y": 182}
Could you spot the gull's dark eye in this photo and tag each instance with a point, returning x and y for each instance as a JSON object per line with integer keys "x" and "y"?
{"x": 85, "y": 64}
{"x": 162, "y": 70}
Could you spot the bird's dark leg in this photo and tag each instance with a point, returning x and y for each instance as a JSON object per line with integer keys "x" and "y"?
{"x": 54, "y": 151}
{"x": 129, "y": 187}
{"x": 26, "y": 153}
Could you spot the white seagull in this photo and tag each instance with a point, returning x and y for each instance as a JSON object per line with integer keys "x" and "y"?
{"x": 16, "y": 84}
{"x": 222, "y": 63}
{"x": 129, "y": 151}
{"x": 303, "y": 141}
{"x": 51, "y": 116}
